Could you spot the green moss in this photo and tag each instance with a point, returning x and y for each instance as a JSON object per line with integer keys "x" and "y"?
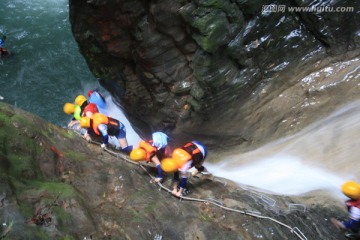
{"x": 27, "y": 209}
{"x": 210, "y": 3}
{"x": 204, "y": 218}
{"x": 152, "y": 206}
{"x": 64, "y": 218}
{"x": 21, "y": 163}
{"x": 212, "y": 27}
{"x": 54, "y": 188}
{"x": 68, "y": 238}
{"x": 76, "y": 155}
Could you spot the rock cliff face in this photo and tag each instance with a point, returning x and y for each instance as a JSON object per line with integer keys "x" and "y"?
{"x": 189, "y": 67}
{"x": 55, "y": 185}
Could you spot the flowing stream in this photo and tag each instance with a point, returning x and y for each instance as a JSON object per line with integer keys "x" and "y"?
{"x": 321, "y": 156}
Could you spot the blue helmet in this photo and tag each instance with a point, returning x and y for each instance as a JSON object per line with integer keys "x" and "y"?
{"x": 202, "y": 148}
{"x": 160, "y": 140}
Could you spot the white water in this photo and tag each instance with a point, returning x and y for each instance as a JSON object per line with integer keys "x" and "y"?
{"x": 320, "y": 157}
{"x": 115, "y": 112}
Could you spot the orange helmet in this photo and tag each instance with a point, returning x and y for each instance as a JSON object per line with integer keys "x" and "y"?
{"x": 85, "y": 122}
{"x": 138, "y": 154}
{"x": 69, "y": 108}
{"x": 79, "y": 100}
{"x": 351, "y": 189}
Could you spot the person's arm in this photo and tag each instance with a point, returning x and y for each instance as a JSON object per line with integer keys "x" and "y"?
{"x": 87, "y": 135}
{"x": 339, "y": 225}
{"x": 103, "y": 130}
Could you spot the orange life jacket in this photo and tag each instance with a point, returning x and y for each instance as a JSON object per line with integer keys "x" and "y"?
{"x": 100, "y": 118}
{"x": 149, "y": 149}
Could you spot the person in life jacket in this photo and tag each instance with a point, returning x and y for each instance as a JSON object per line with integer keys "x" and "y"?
{"x": 95, "y": 97}
{"x": 81, "y": 108}
{"x": 3, "y": 51}
{"x": 105, "y": 126}
{"x": 152, "y": 151}
{"x": 192, "y": 154}
{"x": 350, "y": 189}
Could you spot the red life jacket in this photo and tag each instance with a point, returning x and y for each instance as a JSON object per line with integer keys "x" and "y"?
{"x": 352, "y": 203}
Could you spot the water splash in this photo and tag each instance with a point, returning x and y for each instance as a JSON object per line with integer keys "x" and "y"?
{"x": 321, "y": 156}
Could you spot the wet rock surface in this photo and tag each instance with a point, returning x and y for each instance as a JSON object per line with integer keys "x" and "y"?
{"x": 54, "y": 185}
{"x": 191, "y": 67}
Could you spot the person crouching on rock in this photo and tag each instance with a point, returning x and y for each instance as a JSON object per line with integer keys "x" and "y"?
{"x": 350, "y": 189}
{"x": 105, "y": 126}
{"x": 152, "y": 151}
{"x": 192, "y": 154}
{"x": 76, "y": 109}
{"x": 78, "y": 113}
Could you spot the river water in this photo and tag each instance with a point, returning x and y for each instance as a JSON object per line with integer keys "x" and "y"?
{"x": 46, "y": 70}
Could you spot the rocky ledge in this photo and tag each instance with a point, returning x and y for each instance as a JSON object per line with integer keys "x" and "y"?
{"x": 54, "y": 185}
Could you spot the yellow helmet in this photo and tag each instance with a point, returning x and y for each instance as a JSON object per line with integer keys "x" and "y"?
{"x": 69, "y": 108}
{"x": 138, "y": 154}
{"x": 169, "y": 165}
{"x": 85, "y": 122}
{"x": 79, "y": 100}
{"x": 351, "y": 189}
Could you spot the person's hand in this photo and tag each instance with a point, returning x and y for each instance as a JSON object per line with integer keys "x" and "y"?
{"x": 339, "y": 225}
{"x": 87, "y": 137}
{"x": 156, "y": 180}
{"x": 194, "y": 173}
{"x": 71, "y": 124}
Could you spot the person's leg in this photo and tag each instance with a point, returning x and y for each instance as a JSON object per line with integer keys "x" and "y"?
{"x": 156, "y": 161}
{"x": 121, "y": 136}
{"x": 123, "y": 142}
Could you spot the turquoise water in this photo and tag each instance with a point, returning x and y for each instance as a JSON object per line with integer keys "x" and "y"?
{"x": 45, "y": 69}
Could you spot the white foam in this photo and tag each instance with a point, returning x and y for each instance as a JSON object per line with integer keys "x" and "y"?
{"x": 114, "y": 111}
{"x": 280, "y": 174}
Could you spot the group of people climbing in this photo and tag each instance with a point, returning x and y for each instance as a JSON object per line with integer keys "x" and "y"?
{"x": 179, "y": 161}
{"x": 90, "y": 114}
